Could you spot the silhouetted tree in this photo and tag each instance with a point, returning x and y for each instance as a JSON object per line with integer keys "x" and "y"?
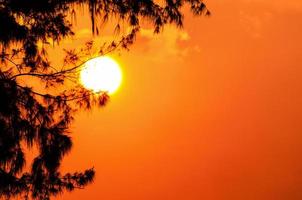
{"x": 31, "y": 118}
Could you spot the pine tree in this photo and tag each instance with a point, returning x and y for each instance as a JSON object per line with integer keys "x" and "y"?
{"x": 33, "y": 118}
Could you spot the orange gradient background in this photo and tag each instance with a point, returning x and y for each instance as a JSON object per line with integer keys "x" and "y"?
{"x": 209, "y": 112}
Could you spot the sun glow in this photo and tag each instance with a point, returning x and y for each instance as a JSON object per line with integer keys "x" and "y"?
{"x": 101, "y": 74}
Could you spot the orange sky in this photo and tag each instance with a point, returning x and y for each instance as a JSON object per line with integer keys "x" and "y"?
{"x": 210, "y": 112}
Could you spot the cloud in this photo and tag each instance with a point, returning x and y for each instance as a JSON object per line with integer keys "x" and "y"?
{"x": 83, "y": 33}
{"x": 255, "y": 23}
{"x": 172, "y": 43}
{"x": 168, "y": 44}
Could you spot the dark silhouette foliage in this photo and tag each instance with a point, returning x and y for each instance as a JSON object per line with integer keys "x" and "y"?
{"x": 41, "y": 118}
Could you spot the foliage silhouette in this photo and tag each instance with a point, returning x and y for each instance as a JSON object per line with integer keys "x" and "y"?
{"x": 31, "y": 118}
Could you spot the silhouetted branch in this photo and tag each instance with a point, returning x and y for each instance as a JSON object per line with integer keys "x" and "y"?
{"x": 15, "y": 64}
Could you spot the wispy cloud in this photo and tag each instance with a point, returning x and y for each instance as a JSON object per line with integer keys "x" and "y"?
{"x": 254, "y": 23}
{"x": 159, "y": 47}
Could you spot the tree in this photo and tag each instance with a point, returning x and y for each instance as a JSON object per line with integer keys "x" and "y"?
{"x": 29, "y": 117}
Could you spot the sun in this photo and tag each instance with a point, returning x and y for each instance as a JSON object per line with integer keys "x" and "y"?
{"x": 101, "y": 74}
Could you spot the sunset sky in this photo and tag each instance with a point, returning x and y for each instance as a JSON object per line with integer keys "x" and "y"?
{"x": 209, "y": 112}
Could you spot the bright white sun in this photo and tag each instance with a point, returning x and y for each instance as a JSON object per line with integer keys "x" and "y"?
{"x": 101, "y": 74}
